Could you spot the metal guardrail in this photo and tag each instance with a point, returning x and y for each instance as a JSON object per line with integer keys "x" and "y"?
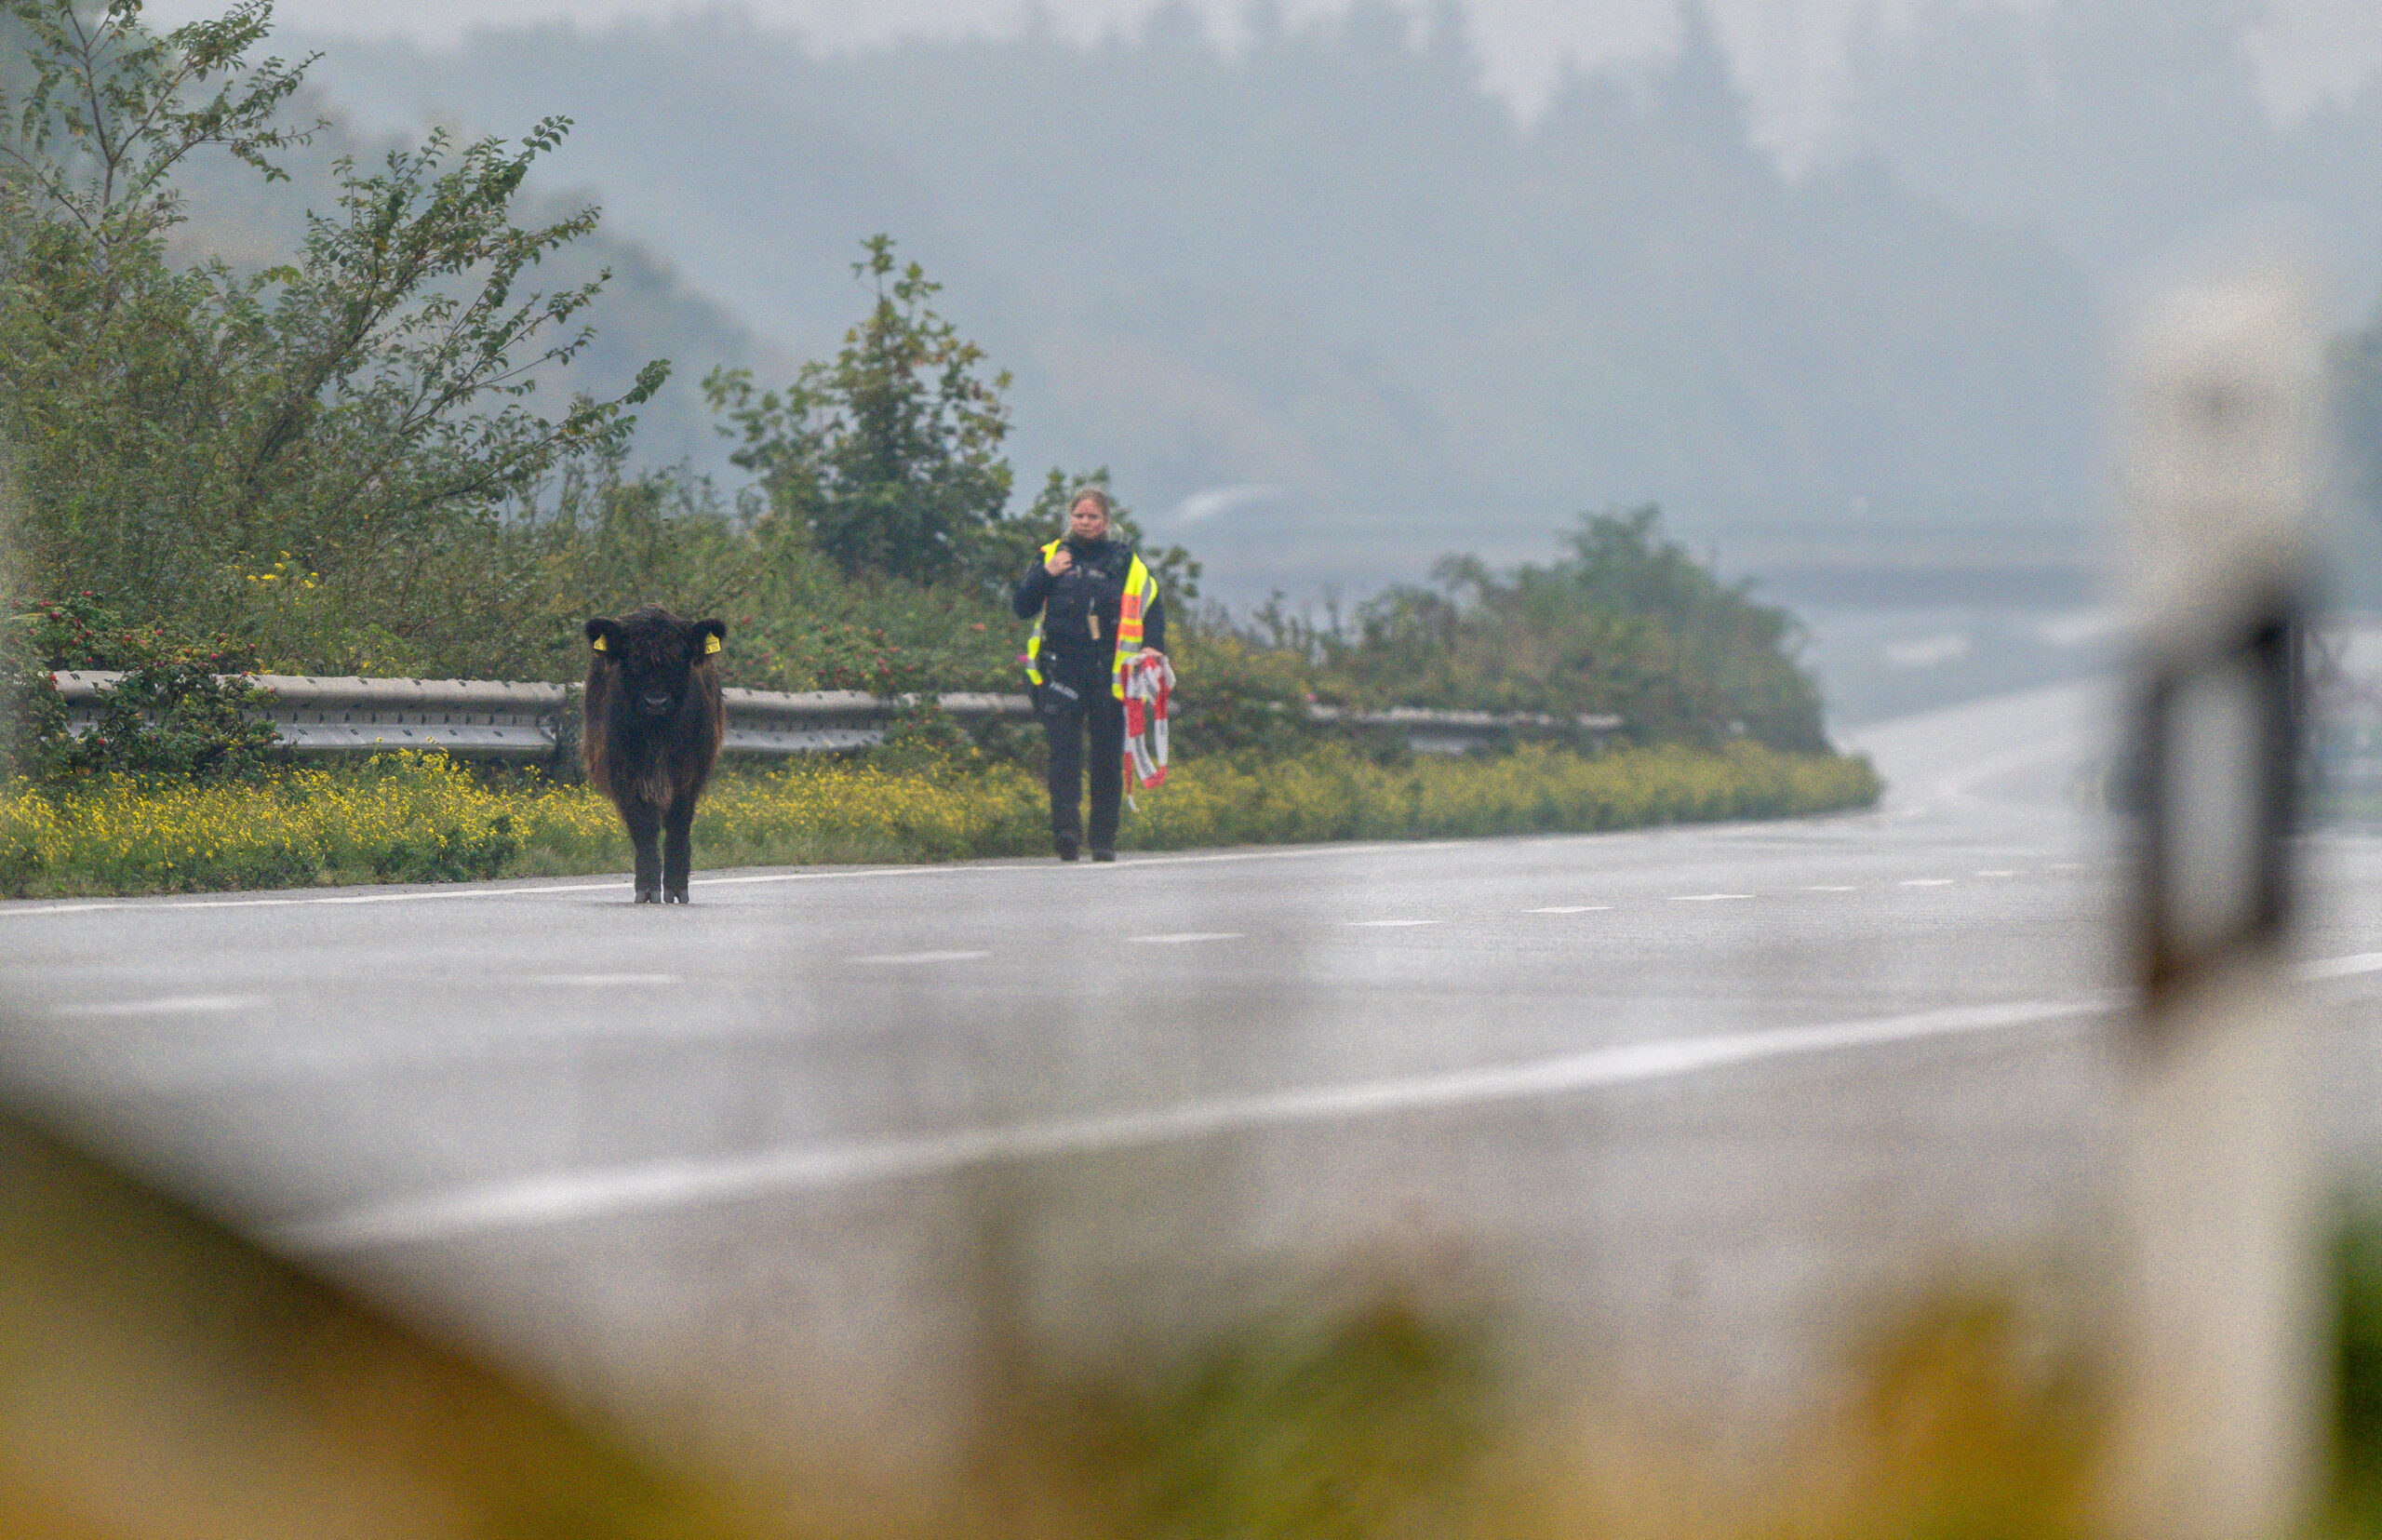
{"x": 493, "y": 718}
{"x": 483, "y": 717}
{"x": 1429, "y": 732}
{"x": 2340, "y": 679}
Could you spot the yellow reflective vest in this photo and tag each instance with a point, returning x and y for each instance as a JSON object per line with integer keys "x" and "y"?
{"x": 1141, "y": 591}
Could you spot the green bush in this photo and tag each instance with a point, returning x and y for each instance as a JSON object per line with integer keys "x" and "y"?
{"x": 1629, "y": 623}
{"x": 178, "y": 713}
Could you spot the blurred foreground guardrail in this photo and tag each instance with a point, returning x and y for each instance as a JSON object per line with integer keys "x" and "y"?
{"x": 496, "y": 720}
{"x": 2341, "y": 672}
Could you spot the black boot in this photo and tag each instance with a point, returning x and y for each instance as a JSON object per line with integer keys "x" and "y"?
{"x": 1066, "y": 843}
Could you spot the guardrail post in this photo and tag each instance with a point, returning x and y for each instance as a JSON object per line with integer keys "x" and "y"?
{"x": 566, "y": 767}
{"x": 2219, "y": 1432}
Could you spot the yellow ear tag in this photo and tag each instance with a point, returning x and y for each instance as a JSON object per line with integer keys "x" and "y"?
{"x": 711, "y": 645}
{"x": 601, "y": 646}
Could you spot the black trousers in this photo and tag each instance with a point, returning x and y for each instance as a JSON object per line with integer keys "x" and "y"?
{"x": 1075, "y": 702}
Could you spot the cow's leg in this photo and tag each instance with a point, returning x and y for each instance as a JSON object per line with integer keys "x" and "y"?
{"x": 645, "y": 829}
{"x": 678, "y": 849}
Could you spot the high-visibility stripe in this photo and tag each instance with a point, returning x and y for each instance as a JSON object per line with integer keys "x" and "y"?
{"x": 1034, "y": 643}
{"x": 1140, "y": 591}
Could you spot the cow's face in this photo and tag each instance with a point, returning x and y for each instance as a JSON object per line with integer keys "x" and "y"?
{"x": 653, "y": 655}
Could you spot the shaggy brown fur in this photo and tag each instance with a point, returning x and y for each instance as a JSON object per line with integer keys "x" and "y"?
{"x": 654, "y": 727}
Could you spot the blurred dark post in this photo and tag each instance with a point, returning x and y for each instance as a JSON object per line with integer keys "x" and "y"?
{"x": 2219, "y": 1433}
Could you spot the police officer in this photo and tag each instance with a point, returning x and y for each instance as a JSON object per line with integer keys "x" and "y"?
{"x": 1097, "y": 606}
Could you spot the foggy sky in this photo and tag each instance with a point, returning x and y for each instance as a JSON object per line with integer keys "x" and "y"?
{"x": 1785, "y": 51}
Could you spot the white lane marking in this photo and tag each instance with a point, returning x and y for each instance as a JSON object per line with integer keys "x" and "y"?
{"x": 1185, "y": 938}
{"x": 1960, "y": 785}
{"x": 2342, "y": 968}
{"x": 1569, "y": 909}
{"x": 2068, "y": 867}
{"x": 1705, "y": 898}
{"x": 1926, "y": 882}
{"x": 600, "y": 980}
{"x": 666, "y": 1183}
{"x": 1302, "y": 852}
{"x": 152, "y": 905}
{"x": 672, "y": 1184}
{"x": 1206, "y": 858}
{"x": 174, "y": 1005}
{"x": 1392, "y": 924}
{"x": 899, "y": 958}
{"x": 1292, "y": 852}
{"x": 1997, "y": 872}
{"x": 1829, "y": 888}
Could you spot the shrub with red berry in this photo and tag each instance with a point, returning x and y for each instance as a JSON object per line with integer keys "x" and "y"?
{"x": 179, "y": 710}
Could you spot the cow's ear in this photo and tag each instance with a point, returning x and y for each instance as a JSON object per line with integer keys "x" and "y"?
{"x": 711, "y": 636}
{"x": 600, "y": 633}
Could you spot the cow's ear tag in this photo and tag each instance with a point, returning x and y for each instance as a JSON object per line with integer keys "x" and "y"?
{"x": 711, "y": 645}
{"x": 601, "y": 646}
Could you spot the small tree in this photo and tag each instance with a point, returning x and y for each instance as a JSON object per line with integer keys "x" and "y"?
{"x": 887, "y": 457}
{"x": 113, "y": 110}
{"x": 359, "y": 408}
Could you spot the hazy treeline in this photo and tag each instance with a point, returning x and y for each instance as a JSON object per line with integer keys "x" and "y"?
{"x": 2134, "y": 133}
{"x": 1329, "y": 259}
{"x": 2122, "y": 130}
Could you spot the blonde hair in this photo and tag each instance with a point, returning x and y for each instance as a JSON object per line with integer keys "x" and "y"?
{"x": 1093, "y": 492}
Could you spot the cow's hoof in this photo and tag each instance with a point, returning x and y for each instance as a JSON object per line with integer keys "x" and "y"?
{"x": 649, "y": 895}
{"x": 675, "y": 895}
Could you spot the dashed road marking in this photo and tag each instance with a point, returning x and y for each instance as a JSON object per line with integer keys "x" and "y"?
{"x": 1188, "y": 938}
{"x": 173, "y": 1005}
{"x": 897, "y": 958}
{"x": 1997, "y": 872}
{"x": 1569, "y": 909}
{"x": 1393, "y": 924}
{"x": 1926, "y": 882}
{"x": 1705, "y": 898}
{"x": 1829, "y": 888}
{"x": 604, "y": 981}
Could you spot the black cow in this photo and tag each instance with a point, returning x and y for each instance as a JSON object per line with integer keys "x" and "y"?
{"x": 654, "y": 726}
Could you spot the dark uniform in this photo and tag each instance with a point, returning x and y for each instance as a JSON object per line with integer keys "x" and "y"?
{"x": 1077, "y": 659}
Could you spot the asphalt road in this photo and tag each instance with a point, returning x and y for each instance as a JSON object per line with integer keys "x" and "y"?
{"x": 786, "y": 1175}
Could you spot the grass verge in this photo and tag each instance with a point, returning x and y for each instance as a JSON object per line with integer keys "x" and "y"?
{"x": 416, "y": 818}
